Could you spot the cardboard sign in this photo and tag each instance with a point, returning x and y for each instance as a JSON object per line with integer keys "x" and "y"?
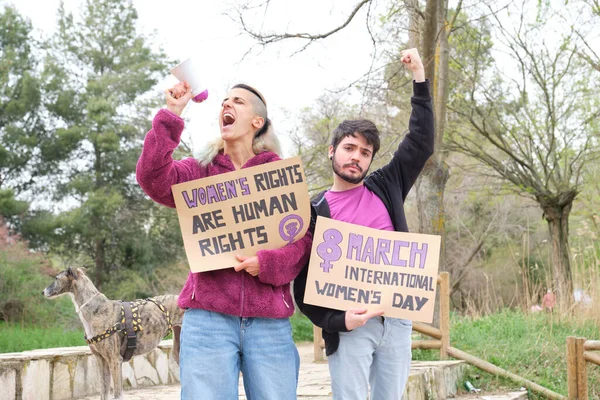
{"x": 352, "y": 266}
{"x": 241, "y": 212}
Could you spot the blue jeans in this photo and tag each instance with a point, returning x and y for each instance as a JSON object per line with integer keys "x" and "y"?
{"x": 376, "y": 354}
{"x": 215, "y": 347}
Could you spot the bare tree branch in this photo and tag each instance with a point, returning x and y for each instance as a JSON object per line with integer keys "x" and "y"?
{"x": 273, "y": 38}
{"x": 368, "y": 74}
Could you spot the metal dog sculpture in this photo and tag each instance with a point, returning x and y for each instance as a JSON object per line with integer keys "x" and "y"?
{"x": 116, "y": 330}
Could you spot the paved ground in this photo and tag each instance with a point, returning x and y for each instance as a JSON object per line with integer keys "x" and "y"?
{"x": 314, "y": 382}
{"x": 520, "y": 395}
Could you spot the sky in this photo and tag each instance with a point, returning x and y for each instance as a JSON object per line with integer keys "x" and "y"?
{"x": 290, "y": 80}
{"x": 205, "y": 31}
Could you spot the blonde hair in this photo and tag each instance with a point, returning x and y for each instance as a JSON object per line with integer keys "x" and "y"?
{"x": 264, "y": 140}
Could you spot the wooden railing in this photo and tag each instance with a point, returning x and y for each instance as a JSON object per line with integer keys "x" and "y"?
{"x": 441, "y": 336}
{"x": 441, "y": 340}
{"x": 579, "y": 352}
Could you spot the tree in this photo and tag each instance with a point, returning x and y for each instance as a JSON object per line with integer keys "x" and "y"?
{"x": 97, "y": 69}
{"x": 313, "y": 138}
{"x": 530, "y": 120}
{"x": 429, "y": 25}
{"x": 433, "y": 30}
{"x": 588, "y": 36}
{"x": 21, "y": 129}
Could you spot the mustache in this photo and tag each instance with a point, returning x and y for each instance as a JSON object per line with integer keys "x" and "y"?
{"x": 353, "y": 165}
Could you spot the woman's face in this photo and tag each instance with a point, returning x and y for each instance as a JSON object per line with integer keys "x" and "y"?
{"x": 237, "y": 119}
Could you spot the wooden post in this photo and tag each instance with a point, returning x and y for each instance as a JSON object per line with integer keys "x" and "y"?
{"x": 572, "y": 367}
{"x": 318, "y": 343}
{"x": 582, "y": 381}
{"x": 445, "y": 314}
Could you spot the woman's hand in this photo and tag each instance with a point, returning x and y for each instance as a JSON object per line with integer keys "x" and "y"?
{"x": 248, "y": 264}
{"x": 177, "y": 97}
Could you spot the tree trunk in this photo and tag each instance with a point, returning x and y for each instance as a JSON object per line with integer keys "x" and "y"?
{"x": 100, "y": 256}
{"x": 430, "y": 197}
{"x": 414, "y": 27}
{"x": 429, "y": 38}
{"x": 440, "y": 82}
{"x": 99, "y": 263}
{"x": 431, "y": 184}
{"x": 558, "y": 225}
{"x": 430, "y": 189}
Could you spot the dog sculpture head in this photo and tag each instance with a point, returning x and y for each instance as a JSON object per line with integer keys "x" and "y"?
{"x": 63, "y": 283}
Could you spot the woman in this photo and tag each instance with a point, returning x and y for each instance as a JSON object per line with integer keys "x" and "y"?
{"x": 236, "y": 319}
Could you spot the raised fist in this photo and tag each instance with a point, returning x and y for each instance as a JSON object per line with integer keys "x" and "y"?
{"x": 412, "y": 60}
{"x": 177, "y": 97}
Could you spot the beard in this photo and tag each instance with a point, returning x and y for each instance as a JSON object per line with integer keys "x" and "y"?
{"x": 339, "y": 171}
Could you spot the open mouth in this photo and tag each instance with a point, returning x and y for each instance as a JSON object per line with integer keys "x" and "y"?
{"x": 228, "y": 119}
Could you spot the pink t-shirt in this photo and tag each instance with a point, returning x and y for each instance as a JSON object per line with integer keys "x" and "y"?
{"x": 359, "y": 206}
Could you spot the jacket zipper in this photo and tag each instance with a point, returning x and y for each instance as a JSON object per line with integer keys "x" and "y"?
{"x": 242, "y": 297}
{"x": 193, "y": 286}
{"x": 284, "y": 302}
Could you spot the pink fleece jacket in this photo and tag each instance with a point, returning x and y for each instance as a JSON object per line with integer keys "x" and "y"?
{"x": 226, "y": 291}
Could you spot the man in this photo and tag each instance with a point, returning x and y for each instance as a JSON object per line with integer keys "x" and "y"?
{"x": 549, "y": 301}
{"x": 363, "y": 348}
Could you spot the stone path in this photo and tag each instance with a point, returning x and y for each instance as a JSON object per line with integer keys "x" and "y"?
{"x": 314, "y": 382}
{"x": 520, "y": 395}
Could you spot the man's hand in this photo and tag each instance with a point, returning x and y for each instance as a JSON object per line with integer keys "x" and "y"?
{"x": 412, "y": 60}
{"x": 250, "y": 264}
{"x": 357, "y": 317}
{"x": 178, "y": 97}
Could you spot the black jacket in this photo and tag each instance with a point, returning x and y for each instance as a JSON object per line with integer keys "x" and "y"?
{"x": 391, "y": 184}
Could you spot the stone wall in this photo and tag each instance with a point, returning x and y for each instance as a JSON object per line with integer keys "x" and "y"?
{"x": 72, "y": 372}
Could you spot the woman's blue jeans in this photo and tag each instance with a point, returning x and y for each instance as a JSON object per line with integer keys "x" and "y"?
{"x": 215, "y": 347}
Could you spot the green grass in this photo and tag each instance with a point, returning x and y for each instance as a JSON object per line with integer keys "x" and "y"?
{"x": 21, "y": 337}
{"x": 302, "y": 328}
{"x": 17, "y": 338}
{"x": 531, "y": 346}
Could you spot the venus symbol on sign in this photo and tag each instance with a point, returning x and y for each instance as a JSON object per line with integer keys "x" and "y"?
{"x": 329, "y": 250}
{"x": 290, "y": 226}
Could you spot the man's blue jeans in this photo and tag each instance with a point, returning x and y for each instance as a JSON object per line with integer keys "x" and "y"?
{"x": 378, "y": 355}
{"x": 215, "y": 347}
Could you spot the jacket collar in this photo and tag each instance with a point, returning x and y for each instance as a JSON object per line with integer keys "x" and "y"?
{"x": 224, "y": 162}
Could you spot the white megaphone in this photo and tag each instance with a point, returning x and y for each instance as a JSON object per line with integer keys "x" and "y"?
{"x": 185, "y": 71}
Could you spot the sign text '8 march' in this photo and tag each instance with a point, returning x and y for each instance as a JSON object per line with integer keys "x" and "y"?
{"x": 241, "y": 212}
{"x": 353, "y": 266}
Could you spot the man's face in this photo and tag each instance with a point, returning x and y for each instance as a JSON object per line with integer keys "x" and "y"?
{"x": 237, "y": 116}
{"x": 352, "y": 158}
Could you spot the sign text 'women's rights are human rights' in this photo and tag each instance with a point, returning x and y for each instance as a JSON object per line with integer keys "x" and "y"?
{"x": 241, "y": 212}
{"x": 352, "y": 266}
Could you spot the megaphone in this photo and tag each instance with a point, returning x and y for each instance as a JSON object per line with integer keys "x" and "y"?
{"x": 185, "y": 71}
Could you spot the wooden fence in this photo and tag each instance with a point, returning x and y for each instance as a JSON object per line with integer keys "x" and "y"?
{"x": 579, "y": 351}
